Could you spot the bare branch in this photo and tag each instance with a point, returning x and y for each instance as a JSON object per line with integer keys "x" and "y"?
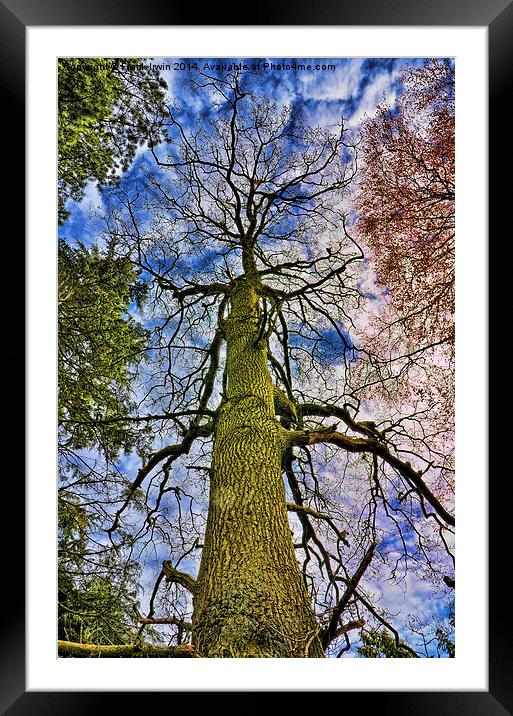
{"x": 331, "y": 630}
{"x": 174, "y": 575}
{"x": 329, "y": 435}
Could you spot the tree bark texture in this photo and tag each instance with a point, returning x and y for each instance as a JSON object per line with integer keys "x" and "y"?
{"x": 250, "y": 599}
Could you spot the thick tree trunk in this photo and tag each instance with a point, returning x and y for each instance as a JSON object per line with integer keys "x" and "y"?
{"x": 250, "y": 599}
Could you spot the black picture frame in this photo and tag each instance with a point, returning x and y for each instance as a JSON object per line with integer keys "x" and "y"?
{"x": 497, "y": 16}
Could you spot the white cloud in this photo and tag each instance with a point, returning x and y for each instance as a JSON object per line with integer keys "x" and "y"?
{"x": 91, "y": 199}
{"x": 339, "y": 85}
{"x": 373, "y": 96}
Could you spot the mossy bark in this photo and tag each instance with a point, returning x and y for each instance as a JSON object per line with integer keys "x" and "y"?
{"x": 124, "y": 651}
{"x": 250, "y": 599}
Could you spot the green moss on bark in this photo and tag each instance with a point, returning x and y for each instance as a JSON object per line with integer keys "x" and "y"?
{"x": 69, "y": 649}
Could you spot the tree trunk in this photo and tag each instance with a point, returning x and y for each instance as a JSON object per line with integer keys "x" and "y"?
{"x": 250, "y": 599}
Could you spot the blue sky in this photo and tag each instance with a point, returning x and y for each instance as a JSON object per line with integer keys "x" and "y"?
{"x": 355, "y": 85}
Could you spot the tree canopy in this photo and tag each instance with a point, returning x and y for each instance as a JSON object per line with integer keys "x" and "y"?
{"x": 405, "y": 201}
{"x": 106, "y": 109}
{"x": 246, "y": 413}
{"x": 99, "y": 348}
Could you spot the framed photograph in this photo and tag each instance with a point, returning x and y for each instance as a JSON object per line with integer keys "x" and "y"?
{"x": 236, "y": 223}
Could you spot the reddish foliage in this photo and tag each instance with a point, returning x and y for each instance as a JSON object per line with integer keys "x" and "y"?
{"x": 406, "y": 202}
